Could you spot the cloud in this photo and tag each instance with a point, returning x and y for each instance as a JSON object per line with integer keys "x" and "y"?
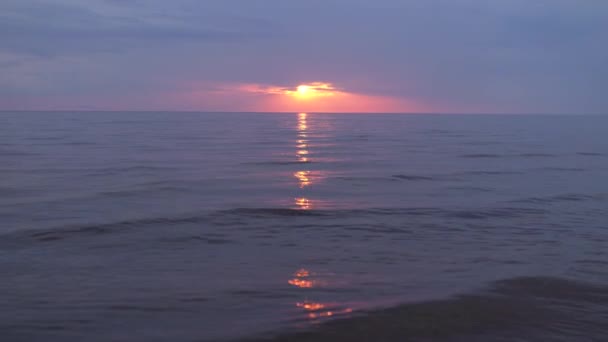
{"x": 51, "y": 29}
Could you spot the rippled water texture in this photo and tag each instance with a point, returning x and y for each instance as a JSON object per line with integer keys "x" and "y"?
{"x": 209, "y": 226}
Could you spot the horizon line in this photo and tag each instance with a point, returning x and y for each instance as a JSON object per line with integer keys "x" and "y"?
{"x": 274, "y": 112}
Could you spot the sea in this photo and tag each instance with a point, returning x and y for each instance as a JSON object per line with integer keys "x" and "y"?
{"x": 180, "y": 226}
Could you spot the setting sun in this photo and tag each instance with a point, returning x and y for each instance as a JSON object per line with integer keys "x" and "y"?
{"x": 307, "y": 97}
{"x": 313, "y": 90}
{"x": 303, "y": 90}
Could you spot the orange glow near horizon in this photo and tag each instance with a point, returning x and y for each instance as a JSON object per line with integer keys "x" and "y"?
{"x": 313, "y": 90}
{"x": 311, "y": 97}
{"x": 306, "y": 91}
{"x": 303, "y": 90}
{"x": 326, "y": 97}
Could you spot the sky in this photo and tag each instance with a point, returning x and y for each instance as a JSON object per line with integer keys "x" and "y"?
{"x": 447, "y": 56}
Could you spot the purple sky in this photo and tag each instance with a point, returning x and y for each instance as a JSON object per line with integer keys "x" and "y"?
{"x": 520, "y": 56}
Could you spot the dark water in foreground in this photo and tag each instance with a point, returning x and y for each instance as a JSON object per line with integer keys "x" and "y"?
{"x": 206, "y": 227}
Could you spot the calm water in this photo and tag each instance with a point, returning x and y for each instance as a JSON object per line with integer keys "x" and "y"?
{"x": 205, "y": 227}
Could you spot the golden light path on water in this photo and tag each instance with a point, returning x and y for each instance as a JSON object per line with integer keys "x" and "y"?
{"x": 307, "y": 159}
{"x": 302, "y": 141}
{"x": 302, "y": 279}
{"x": 303, "y": 203}
{"x": 304, "y": 177}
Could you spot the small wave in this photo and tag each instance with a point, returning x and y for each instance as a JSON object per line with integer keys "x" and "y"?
{"x": 399, "y": 211}
{"x": 194, "y": 300}
{"x": 483, "y": 143}
{"x": 266, "y": 212}
{"x": 499, "y": 212}
{"x": 279, "y": 163}
{"x": 139, "y": 192}
{"x": 537, "y": 155}
{"x": 523, "y": 155}
{"x": 562, "y": 198}
{"x": 446, "y": 133}
{"x": 240, "y": 216}
{"x": 80, "y": 143}
{"x": 364, "y": 179}
{"x": 249, "y": 293}
{"x": 564, "y": 169}
{"x": 52, "y": 138}
{"x": 12, "y": 191}
{"x": 494, "y": 213}
{"x": 61, "y": 233}
{"x": 15, "y": 153}
{"x": 147, "y": 308}
{"x": 592, "y": 262}
{"x": 208, "y": 240}
{"x": 481, "y": 155}
{"x": 492, "y": 173}
{"x": 353, "y": 138}
{"x": 590, "y": 154}
{"x": 91, "y": 171}
{"x": 414, "y": 177}
{"x": 573, "y": 197}
{"x": 127, "y": 169}
{"x": 471, "y": 188}
{"x": 437, "y": 131}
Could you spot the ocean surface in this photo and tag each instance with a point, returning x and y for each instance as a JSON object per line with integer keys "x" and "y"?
{"x": 303, "y": 227}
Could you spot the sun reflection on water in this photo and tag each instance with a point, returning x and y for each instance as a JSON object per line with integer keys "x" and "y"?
{"x": 301, "y": 283}
{"x": 300, "y": 279}
{"x": 302, "y": 123}
{"x": 302, "y": 272}
{"x": 310, "y": 306}
{"x": 303, "y": 279}
{"x": 308, "y": 175}
{"x": 302, "y": 142}
{"x": 314, "y": 310}
{"x": 303, "y": 203}
{"x": 304, "y": 177}
{"x": 316, "y": 315}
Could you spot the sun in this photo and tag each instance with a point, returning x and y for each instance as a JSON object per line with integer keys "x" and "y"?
{"x": 303, "y": 90}
{"x": 308, "y": 92}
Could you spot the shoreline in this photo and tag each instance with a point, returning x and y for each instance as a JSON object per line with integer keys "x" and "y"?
{"x": 540, "y": 308}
